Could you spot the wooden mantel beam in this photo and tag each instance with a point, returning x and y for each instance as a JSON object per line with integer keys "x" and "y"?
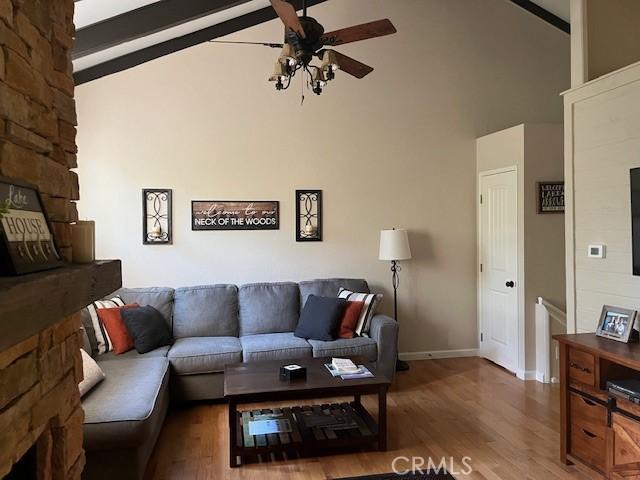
{"x": 31, "y": 303}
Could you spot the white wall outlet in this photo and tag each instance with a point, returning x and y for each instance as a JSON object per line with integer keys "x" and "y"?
{"x": 596, "y": 251}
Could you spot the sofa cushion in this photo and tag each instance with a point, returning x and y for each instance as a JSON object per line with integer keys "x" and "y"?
{"x": 117, "y": 412}
{"x": 193, "y": 355}
{"x": 92, "y": 374}
{"x": 358, "y": 346}
{"x": 273, "y": 346}
{"x": 320, "y": 318}
{"x": 147, "y": 328}
{"x": 85, "y": 343}
{"x": 206, "y": 311}
{"x": 97, "y": 335}
{"x": 160, "y": 298}
{"x": 158, "y": 352}
{"x": 111, "y": 320}
{"x": 329, "y": 287}
{"x": 349, "y": 320}
{"x": 268, "y": 308}
{"x": 371, "y": 301}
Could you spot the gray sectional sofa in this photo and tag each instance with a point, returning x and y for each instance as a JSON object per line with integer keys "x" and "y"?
{"x": 213, "y": 326}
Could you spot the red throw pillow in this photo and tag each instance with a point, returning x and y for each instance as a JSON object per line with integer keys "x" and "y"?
{"x": 350, "y": 318}
{"x": 111, "y": 319}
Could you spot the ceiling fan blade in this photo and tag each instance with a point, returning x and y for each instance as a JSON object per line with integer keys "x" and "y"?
{"x": 264, "y": 44}
{"x": 288, "y": 15}
{"x": 379, "y": 28}
{"x": 352, "y": 66}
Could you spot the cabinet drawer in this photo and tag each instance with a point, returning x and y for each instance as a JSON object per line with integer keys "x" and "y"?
{"x": 588, "y": 414}
{"x": 626, "y": 443}
{"x": 588, "y": 446}
{"x": 582, "y": 367}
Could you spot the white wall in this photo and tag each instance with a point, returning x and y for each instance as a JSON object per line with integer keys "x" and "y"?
{"x": 536, "y": 150}
{"x": 394, "y": 149}
{"x": 604, "y": 37}
{"x": 603, "y": 144}
{"x": 613, "y": 34}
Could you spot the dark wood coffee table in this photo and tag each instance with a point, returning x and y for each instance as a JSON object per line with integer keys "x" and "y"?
{"x": 260, "y": 383}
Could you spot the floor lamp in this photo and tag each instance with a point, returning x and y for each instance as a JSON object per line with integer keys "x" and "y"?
{"x": 394, "y": 247}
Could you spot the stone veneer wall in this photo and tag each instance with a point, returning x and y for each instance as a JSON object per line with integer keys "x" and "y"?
{"x": 37, "y": 108}
{"x": 40, "y": 402}
{"x": 39, "y": 398}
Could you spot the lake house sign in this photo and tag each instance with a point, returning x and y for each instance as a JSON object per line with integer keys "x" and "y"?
{"x": 26, "y": 241}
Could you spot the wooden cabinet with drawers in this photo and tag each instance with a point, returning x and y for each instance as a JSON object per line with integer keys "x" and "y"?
{"x": 598, "y": 430}
{"x": 582, "y": 367}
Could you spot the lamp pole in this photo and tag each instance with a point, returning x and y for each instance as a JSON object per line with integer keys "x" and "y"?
{"x": 394, "y": 247}
{"x": 401, "y": 365}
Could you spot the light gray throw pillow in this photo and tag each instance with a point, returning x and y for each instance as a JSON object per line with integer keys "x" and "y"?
{"x": 92, "y": 373}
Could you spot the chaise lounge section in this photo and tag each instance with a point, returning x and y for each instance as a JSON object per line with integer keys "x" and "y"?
{"x": 213, "y": 326}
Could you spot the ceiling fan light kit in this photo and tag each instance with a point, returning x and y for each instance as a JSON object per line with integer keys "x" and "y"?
{"x": 330, "y": 64}
{"x": 288, "y": 55}
{"x": 305, "y": 39}
{"x": 279, "y": 75}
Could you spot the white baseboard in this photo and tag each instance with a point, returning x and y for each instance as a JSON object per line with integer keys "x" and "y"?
{"x": 540, "y": 378}
{"x": 526, "y": 374}
{"x": 434, "y": 354}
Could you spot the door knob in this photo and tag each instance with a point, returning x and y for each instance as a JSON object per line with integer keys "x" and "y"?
{"x": 510, "y": 284}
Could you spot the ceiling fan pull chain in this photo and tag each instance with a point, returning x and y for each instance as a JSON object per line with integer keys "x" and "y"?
{"x": 302, "y": 89}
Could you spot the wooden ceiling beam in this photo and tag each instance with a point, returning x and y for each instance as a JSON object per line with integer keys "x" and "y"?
{"x": 544, "y": 14}
{"x": 170, "y": 46}
{"x": 144, "y": 21}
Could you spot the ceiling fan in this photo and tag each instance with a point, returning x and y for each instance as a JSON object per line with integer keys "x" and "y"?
{"x": 305, "y": 38}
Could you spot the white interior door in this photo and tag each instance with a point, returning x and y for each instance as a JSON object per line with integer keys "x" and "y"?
{"x": 499, "y": 271}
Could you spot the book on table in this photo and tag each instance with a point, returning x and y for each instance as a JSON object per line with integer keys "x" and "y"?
{"x": 344, "y": 365}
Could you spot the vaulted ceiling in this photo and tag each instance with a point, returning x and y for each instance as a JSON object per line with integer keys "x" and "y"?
{"x": 114, "y": 35}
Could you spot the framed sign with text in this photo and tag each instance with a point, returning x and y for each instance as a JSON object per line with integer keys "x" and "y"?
{"x": 26, "y": 241}
{"x": 235, "y": 215}
{"x": 550, "y": 197}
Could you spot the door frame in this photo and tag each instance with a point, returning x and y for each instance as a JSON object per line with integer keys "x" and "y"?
{"x": 520, "y": 327}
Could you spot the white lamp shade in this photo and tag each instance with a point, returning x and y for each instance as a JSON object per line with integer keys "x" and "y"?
{"x": 394, "y": 245}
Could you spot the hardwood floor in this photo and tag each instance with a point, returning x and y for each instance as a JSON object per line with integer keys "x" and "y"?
{"x": 456, "y": 408}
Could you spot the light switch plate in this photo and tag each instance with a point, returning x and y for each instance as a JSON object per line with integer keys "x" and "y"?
{"x": 596, "y": 251}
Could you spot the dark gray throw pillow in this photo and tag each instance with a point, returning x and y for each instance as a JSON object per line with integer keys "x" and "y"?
{"x": 147, "y": 327}
{"x": 320, "y": 318}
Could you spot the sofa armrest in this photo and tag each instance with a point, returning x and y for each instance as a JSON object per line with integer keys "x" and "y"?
{"x": 384, "y": 330}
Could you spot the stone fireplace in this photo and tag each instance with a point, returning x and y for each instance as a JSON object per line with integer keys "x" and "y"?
{"x": 40, "y": 364}
{"x": 40, "y": 402}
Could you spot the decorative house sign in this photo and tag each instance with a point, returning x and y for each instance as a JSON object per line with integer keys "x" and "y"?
{"x": 156, "y": 216}
{"x": 232, "y": 215}
{"x": 550, "y": 197}
{"x": 308, "y": 215}
{"x": 26, "y": 242}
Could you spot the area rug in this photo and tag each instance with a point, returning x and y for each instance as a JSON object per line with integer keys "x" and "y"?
{"x": 432, "y": 475}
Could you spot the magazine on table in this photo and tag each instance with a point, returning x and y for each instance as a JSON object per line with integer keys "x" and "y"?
{"x": 361, "y": 372}
{"x": 265, "y": 427}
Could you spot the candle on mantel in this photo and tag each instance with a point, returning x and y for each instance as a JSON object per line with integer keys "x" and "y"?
{"x": 83, "y": 243}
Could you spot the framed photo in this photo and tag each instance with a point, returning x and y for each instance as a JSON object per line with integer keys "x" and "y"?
{"x": 26, "y": 242}
{"x": 616, "y": 323}
{"x": 550, "y": 197}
